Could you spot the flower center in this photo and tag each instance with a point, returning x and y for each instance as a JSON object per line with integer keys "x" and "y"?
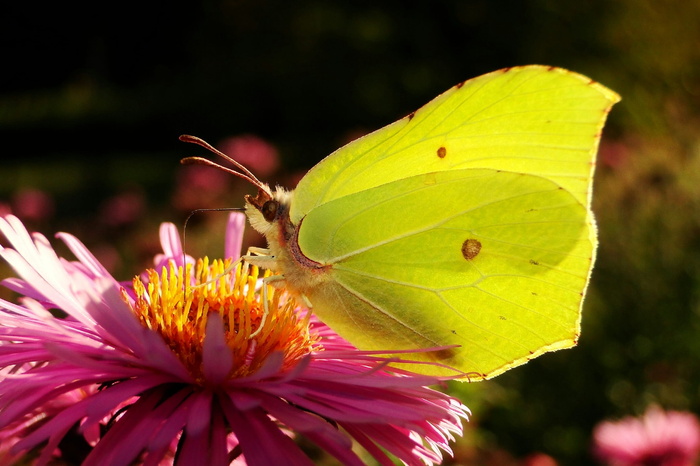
{"x": 177, "y": 306}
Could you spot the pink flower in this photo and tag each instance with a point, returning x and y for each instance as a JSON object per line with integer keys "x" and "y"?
{"x": 199, "y": 186}
{"x": 123, "y": 209}
{"x": 539, "y": 459}
{"x": 614, "y": 154}
{"x": 669, "y": 438}
{"x": 33, "y": 204}
{"x": 5, "y": 209}
{"x": 192, "y": 366}
{"x": 253, "y": 152}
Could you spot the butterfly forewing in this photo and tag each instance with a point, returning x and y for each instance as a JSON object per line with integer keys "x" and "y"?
{"x": 533, "y": 120}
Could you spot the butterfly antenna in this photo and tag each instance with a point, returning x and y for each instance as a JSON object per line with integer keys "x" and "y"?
{"x": 244, "y": 172}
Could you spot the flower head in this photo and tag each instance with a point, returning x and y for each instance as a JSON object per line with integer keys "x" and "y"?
{"x": 253, "y": 152}
{"x": 195, "y": 362}
{"x": 658, "y": 438}
{"x": 33, "y": 204}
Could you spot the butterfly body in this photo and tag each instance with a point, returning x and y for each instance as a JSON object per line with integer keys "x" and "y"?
{"x": 464, "y": 226}
{"x": 299, "y": 273}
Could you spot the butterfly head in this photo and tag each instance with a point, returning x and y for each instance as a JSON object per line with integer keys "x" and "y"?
{"x": 268, "y": 210}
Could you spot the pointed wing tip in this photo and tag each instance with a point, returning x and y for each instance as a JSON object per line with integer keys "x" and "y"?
{"x": 609, "y": 94}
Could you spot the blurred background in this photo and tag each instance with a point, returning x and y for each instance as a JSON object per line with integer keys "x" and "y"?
{"x": 94, "y": 96}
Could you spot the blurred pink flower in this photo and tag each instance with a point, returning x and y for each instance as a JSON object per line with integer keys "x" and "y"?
{"x": 33, "y": 204}
{"x": 199, "y": 186}
{"x": 670, "y": 438}
{"x": 194, "y": 367}
{"x": 614, "y": 154}
{"x": 5, "y": 209}
{"x": 123, "y": 209}
{"x": 256, "y": 154}
{"x": 539, "y": 459}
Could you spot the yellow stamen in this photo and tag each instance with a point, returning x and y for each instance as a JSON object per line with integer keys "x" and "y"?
{"x": 177, "y": 307}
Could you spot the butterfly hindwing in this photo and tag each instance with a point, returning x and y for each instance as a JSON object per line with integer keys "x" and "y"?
{"x": 489, "y": 260}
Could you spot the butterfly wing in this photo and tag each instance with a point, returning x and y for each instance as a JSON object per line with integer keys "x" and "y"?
{"x": 466, "y": 223}
{"x": 533, "y": 119}
{"x": 492, "y": 261}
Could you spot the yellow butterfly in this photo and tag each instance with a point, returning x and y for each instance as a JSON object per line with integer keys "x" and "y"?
{"x": 464, "y": 226}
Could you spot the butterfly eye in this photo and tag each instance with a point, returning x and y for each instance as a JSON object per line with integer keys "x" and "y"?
{"x": 269, "y": 210}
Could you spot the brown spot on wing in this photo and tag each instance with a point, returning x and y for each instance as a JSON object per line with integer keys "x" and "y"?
{"x": 471, "y": 248}
{"x": 441, "y": 152}
{"x": 444, "y": 354}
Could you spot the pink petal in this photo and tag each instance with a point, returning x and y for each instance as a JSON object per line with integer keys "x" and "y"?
{"x": 200, "y": 414}
{"x": 234, "y": 235}
{"x": 84, "y": 255}
{"x": 127, "y": 437}
{"x": 170, "y": 240}
{"x": 217, "y": 360}
{"x": 255, "y": 429}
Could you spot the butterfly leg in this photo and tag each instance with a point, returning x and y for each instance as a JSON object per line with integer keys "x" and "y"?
{"x": 258, "y": 251}
{"x": 266, "y": 281}
{"x": 260, "y": 257}
{"x": 307, "y": 303}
